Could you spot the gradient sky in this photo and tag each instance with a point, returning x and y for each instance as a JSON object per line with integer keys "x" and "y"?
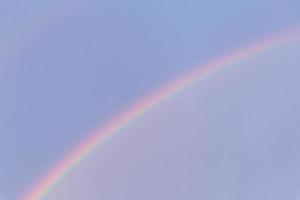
{"x": 231, "y": 137}
{"x": 69, "y": 66}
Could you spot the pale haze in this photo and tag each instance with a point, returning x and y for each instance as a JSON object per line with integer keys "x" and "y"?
{"x": 68, "y": 67}
{"x": 232, "y": 136}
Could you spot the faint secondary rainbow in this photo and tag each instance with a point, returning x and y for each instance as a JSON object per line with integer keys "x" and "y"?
{"x": 16, "y": 36}
{"x": 66, "y": 165}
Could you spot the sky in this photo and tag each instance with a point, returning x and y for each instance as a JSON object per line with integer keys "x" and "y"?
{"x": 196, "y": 146}
{"x": 67, "y": 67}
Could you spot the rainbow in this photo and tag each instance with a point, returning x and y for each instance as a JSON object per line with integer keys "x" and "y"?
{"x": 73, "y": 159}
{"x": 19, "y": 35}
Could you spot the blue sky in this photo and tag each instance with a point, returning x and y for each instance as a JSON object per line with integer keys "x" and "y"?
{"x": 232, "y": 136}
{"x": 69, "y": 66}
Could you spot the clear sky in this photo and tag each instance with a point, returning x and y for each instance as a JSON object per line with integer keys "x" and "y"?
{"x": 69, "y": 66}
{"x": 233, "y": 136}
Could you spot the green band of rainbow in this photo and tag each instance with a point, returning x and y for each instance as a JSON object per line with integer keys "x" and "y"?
{"x": 80, "y": 153}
